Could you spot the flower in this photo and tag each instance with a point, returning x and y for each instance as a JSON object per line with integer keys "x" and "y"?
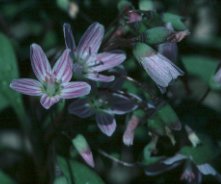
{"x": 161, "y": 70}
{"x": 88, "y": 63}
{"x": 104, "y": 106}
{"x": 192, "y": 172}
{"x": 53, "y": 83}
{"x": 169, "y": 49}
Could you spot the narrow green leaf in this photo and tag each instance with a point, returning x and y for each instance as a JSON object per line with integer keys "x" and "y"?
{"x": 9, "y": 71}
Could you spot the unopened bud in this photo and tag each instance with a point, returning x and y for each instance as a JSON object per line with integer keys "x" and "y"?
{"x": 160, "y": 69}
{"x": 124, "y": 5}
{"x": 73, "y": 9}
{"x": 193, "y": 138}
{"x": 146, "y": 5}
{"x": 83, "y": 149}
{"x": 175, "y": 20}
{"x": 133, "y": 16}
{"x": 155, "y": 35}
{"x": 128, "y": 137}
{"x": 63, "y": 4}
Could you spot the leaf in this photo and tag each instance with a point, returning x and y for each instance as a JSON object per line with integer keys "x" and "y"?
{"x": 60, "y": 180}
{"x": 9, "y": 71}
{"x": 201, "y": 66}
{"x": 5, "y": 179}
{"x": 169, "y": 116}
{"x": 3, "y": 102}
{"x": 203, "y": 153}
{"x": 156, "y": 125}
{"x": 81, "y": 173}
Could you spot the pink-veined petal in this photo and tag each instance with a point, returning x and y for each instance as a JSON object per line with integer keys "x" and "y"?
{"x": 108, "y": 60}
{"x": 39, "y": 62}
{"x": 63, "y": 67}
{"x": 47, "y": 101}
{"x": 106, "y": 123}
{"x": 91, "y": 40}
{"x": 27, "y": 86}
{"x": 100, "y": 77}
{"x": 75, "y": 89}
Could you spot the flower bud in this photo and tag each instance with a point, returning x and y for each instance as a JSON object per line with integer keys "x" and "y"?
{"x": 193, "y": 138}
{"x": 73, "y": 9}
{"x": 83, "y": 149}
{"x": 169, "y": 49}
{"x": 155, "y": 35}
{"x": 128, "y": 136}
{"x": 175, "y": 20}
{"x": 146, "y": 5}
{"x": 161, "y": 70}
{"x": 133, "y": 16}
{"x": 124, "y": 5}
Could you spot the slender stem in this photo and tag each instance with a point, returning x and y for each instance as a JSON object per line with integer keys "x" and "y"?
{"x": 204, "y": 96}
{"x": 126, "y": 164}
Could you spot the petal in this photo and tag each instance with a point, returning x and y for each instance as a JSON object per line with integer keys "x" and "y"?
{"x": 47, "y": 101}
{"x": 174, "y": 159}
{"x": 100, "y": 77}
{"x": 27, "y": 86}
{"x": 120, "y": 74}
{"x": 75, "y": 89}
{"x": 207, "y": 169}
{"x": 159, "y": 168}
{"x": 160, "y": 69}
{"x": 68, "y": 36}
{"x": 108, "y": 60}
{"x": 169, "y": 50}
{"x": 39, "y": 62}
{"x": 91, "y": 40}
{"x": 217, "y": 76}
{"x": 63, "y": 67}
{"x": 106, "y": 123}
{"x": 121, "y": 104}
{"x": 81, "y": 108}
{"x": 88, "y": 157}
{"x": 128, "y": 136}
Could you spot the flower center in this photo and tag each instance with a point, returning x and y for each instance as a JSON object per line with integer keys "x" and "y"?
{"x": 79, "y": 67}
{"x": 52, "y": 87}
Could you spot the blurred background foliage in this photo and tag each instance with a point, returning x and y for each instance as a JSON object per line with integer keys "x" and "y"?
{"x": 23, "y": 22}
